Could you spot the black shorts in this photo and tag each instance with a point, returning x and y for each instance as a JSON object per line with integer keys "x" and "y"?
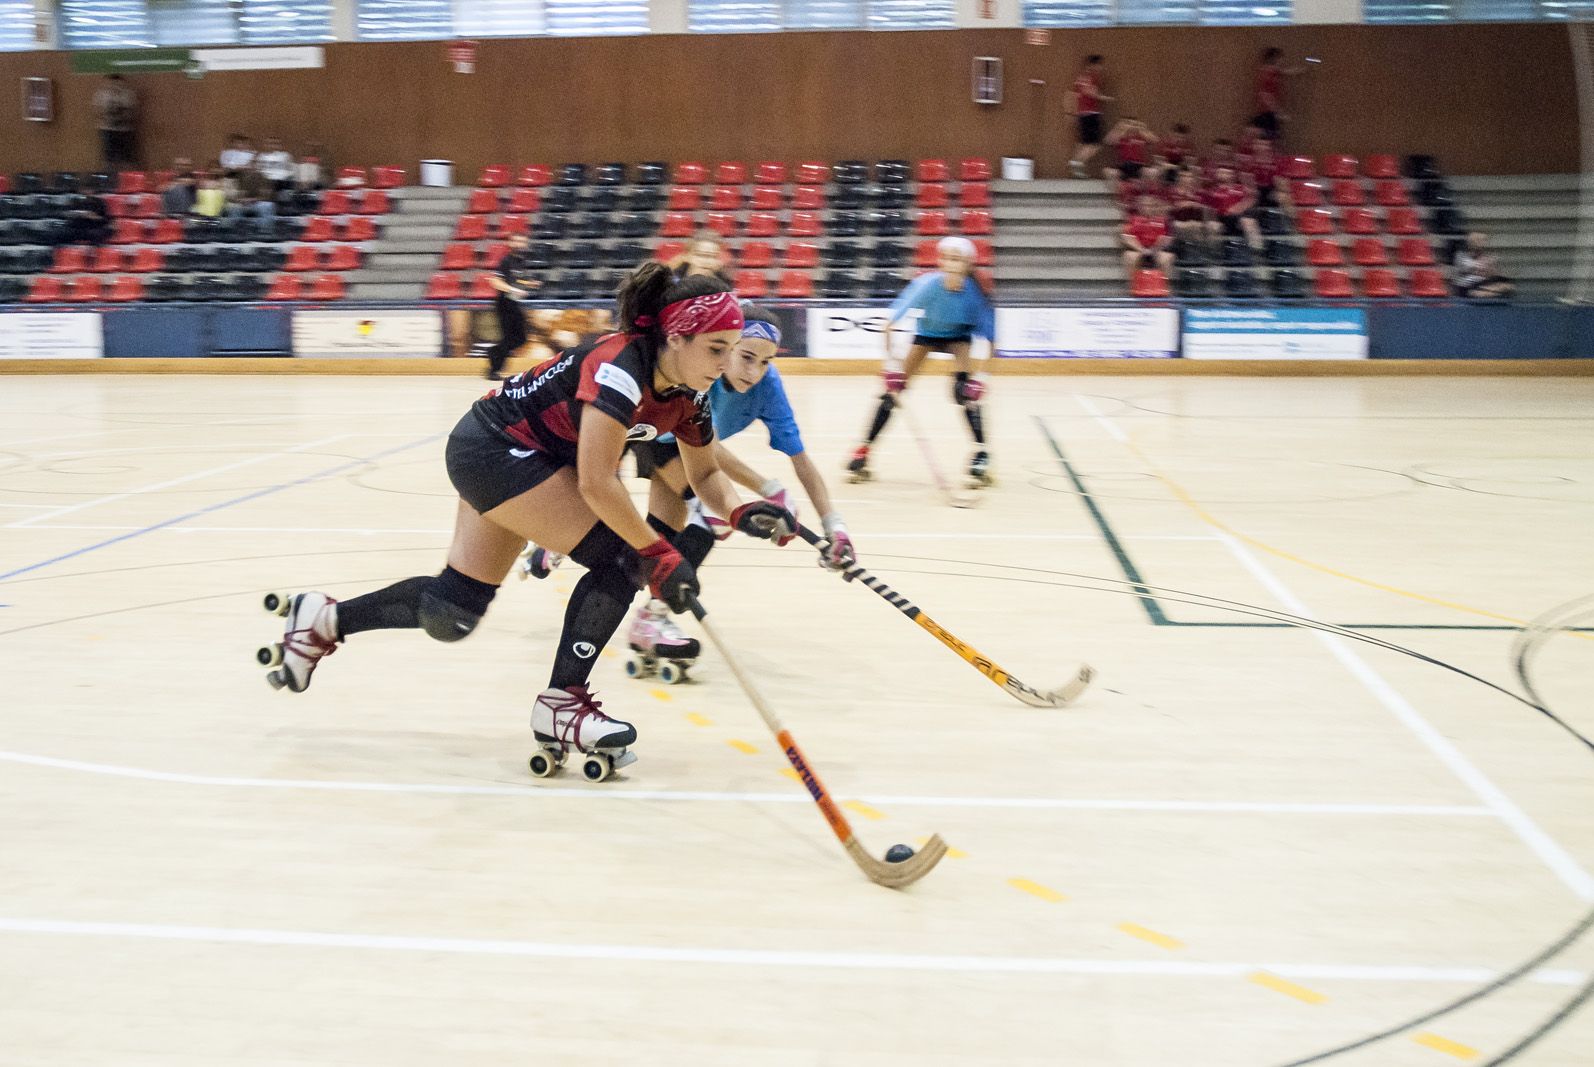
{"x": 487, "y": 469}
{"x": 1130, "y": 171}
{"x": 941, "y": 344}
{"x": 1268, "y": 123}
{"x": 1148, "y": 261}
{"x": 654, "y": 455}
{"x": 1090, "y": 129}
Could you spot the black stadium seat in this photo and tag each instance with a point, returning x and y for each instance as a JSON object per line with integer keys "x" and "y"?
{"x": 886, "y": 284}
{"x": 1289, "y": 285}
{"x": 573, "y": 174}
{"x": 1239, "y": 284}
{"x": 1192, "y": 283}
{"x": 845, "y": 224}
{"x": 843, "y": 254}
{"x": 624, "y": 255}
{"x": 652, "y": 172}
{"x": 889, "y": 254}
{"x": 841, "y": 285}
{"x": 611, "y": 174}
{"x": 548, "y": 228}
{"x": 850, "y": 172}
{"x": 892, "y": 172}
{"x": 579, "y": 256}
{"x": 890, "y": 223}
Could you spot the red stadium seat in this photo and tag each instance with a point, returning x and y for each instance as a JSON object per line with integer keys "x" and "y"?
{"x": 808, "y": 198}
{"x": 5, "y": 184}
{"x": 725, "y": 198}
{"x": 70, "y": 259}
{"x": 284, "y": 287}
{"x": 131, "y": 181}
{"x": 128, "y": 231}
{"x": 801, "y": 255}
{"x": 1298, "y": 168}
{"x": 1380, "y": 284}
{"x": 481, "y": 287}
{"x": 974, "y": 170}
{"x": 359, "y": 228}
{"x": 471, "y": 228}
{"x": 302, "y": 257}
{"x": 685, "y": 198}
{"x": 984, "y": 253}
{"x": 336, "y": 202}
{"x": 458, "y": 257}
{"x": 1414, "y": 252}
{"x": 1369, "y": 252}
{"x": 535, "y": 176}
{"x": 975, "y": 194}
{"x": 932, "y": 224}
{"x": 509, "y": 225}
{"x": 1339, "y": 166}
{"x": 84, "y": 289}
{"x": 145, "y": 207}
{"x": 1149, "y": 284}
{"x": 125, "y": 289}
{"x": 1314, "y": 222}
{"x": 690, "y": 174}
{"x": 352, "y": 176}
{"x": 925, "y": 255}
{"x": 1381, "y": 166}
{"x": 977, "y": 223}
{"x": 160, "y": 180}
{"x": 1324, "y": 253}
{"x": 931, "y": 196}
{"x": 796, "y": 285}
{"x": 730, "y": 174}
{"x": 669, "y": 250}
{"x": 328, "y": 287}
{"x": 813, "y": 173}
{"x": 1403, "y": 222}
{"x": 482, "y": 202}
{"x": 933, "y": 170}
{"x": 343, "y": 257}
{"x": 763, "y": 224}
{"x": 773, "y": 198}
{"x": 1348, "y": 192}
{"x": 1334, "y": 285}
{"x": 677, "y": 224}
{"x": 1358, "y": 220}
{"x": 770, "y": 173}
{"x": 1391, "y": 193}
{"x": 722, "y": 222}
{"x": 319, "y": 228}
{"x": 387, "y": 177}
{"x": 167, "y": 232}
{"x": 47, "y": 289}
{"x": 494, "y": 176}
{"x": 119, "y": 207}
{"x": 107, "y": 260}
{"x": 805, "y": 224}
{"x": 987, "y": 279}
{"x": 1306, "y": 194}
{"x": 490, "y": 257}
{"x": 755, "y": 255}
{"x": 146, "y": 260}
{"x": 525, "y": 202}
{"x": 444, "y": 287}
{"x": 751, "y": 284}
{"x": 1429, "y": 283}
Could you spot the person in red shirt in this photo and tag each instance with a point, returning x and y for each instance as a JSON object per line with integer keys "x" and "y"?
{"x": 1147, "y": 240}
{"x": 1262, "y": 174}
{"x": 1188, "y": 208}
{"x": 1270, "y": 75}
{"x": 1133, "y": 143}
{"x": 1177, "y": 148}
{"x": 1245, "y": 144}
{"x": 1222, "y": 155}
{"x": 1085, "y": 99}
{"x": 1231, "y": 204}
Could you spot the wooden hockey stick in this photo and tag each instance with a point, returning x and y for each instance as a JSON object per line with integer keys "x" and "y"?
{"x": 1056, "y": 698}
{"x": 964, "y": 497}
{"x": 890, "y": 875}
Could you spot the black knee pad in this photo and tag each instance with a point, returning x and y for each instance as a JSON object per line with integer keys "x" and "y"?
{"x": 603, "y": 550}
{"x": 452, "y": 604}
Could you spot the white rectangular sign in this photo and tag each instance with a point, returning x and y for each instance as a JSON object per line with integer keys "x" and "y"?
{"x": 51, "y": 335}
{"x": 367, "y": 334}
{"x": 1087, "y": 333}
{"x": 856, "y": 333}
{"x": 296, "y": 58}
{"x": 1275, "y": 333}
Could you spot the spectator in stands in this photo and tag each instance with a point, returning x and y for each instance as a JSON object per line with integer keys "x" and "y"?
{"x": 514, "y": 282}
{"x": 116, "y": 109}
{"x": 210, "y": 200}
{"x": 1177, "y": 149}
{"x": 178, "y": 196}
{"x": 1270, "y": 75}
{"x": 89, "y": 220}
{"x": 1085, "y": 99}
{"x": 1477, "y": 271}
{"x": 311, "y": 173}
{"x": 277, "y": 165}
{"x": 237, "y": 156}
{"x": 1221, "y": 155}
{"x": 707, "y": 255}
{"x": 256, "y": 199}
{"x": 1261, "y": 173}
{"x": 1245, "y": 144}
{"x": 1148, "y": 243}
{"x": 1132, "y": 142}
{"x": 1231, "y": 205}
{"x": 1188, "y": 209}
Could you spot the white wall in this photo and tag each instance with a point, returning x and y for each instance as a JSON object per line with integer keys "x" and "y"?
{"x": 1320, "y": 11}
{"x": 987, "y": 14}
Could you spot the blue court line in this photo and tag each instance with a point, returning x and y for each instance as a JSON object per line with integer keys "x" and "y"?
{"x": 1153, "y": 606}
{"x": 256, "y": 495}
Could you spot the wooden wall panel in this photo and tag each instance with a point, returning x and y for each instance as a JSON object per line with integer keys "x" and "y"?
{"x": 1486, "y": 99}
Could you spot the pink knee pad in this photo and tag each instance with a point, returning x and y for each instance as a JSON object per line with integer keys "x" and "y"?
{"x": 969, "y": 392}
{"x": 895, "y": 381}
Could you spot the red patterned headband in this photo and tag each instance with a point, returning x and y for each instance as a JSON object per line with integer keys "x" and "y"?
{"x": 698, "y": 314}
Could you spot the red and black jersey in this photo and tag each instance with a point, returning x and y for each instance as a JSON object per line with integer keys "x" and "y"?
{"x": 541, "y": 408}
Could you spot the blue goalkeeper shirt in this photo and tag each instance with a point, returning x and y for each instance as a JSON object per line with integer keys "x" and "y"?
{"x": 765, "y": 402}
{"x": 947, "y": 313}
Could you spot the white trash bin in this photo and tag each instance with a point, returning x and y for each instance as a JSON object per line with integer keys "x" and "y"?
{"x": 437, "y": 172}
{"x": 1014, "y": 169}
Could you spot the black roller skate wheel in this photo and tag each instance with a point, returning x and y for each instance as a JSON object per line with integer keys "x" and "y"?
{"x": 543, "y": 765}
{"x": 277, "y": 603}
{"x": 596, "y": 768}
{"x": 269, "y": 656}
{"x": 671, "y": 674}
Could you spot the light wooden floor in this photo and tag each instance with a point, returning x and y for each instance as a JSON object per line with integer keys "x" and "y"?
{"x": 1249, "y": 843}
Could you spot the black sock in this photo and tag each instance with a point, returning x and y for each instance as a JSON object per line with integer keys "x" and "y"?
{"x": 694, "y": 544}
{"x": 976, "y": 423}
{"x": 393, "y": 608}
{"x": 888, "y": 404}
{"x": 598, "y": 606}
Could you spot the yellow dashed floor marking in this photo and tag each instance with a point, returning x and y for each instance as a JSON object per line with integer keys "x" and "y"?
{"x": 1035, "y": 889}
{"x": 1289, "y": 989}
{"x": 1145, "y": 934}
{"x": 1444, "y": 1044}
{"x": 742, "y": 746}
{"x": 858, "y": 807}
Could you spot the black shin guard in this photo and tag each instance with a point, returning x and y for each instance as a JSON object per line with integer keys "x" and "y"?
{"x": 976, "y": 422}
{"x": 694, "y": 543}
{"x": 438, "y": 605}
{"x": 598, "y": 604}
{"x": 393, "y": 608}
{"x": 888, "y": 404}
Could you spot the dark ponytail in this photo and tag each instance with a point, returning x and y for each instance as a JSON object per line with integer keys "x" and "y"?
{"x": 652, "y": 286}
{"x": 754, "y": 313}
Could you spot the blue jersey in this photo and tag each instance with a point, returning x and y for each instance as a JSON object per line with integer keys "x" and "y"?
{"x": 947, "y": 313}
{"x": 765, "y": 402}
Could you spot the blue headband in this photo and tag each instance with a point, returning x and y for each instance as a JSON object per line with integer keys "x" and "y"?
{"x": 761, "y": 330}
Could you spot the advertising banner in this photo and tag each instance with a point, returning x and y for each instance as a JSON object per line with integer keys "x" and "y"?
{"x": 51, "y": 335}
{"x": 307, "y": 57}
{"x": 367, "y": 334}
{"x": 1275, "y": 333}
{"x": 856, "y": 333}
{"x": 1087, "y": 333}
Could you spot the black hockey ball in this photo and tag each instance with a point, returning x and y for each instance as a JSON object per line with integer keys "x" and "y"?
{"x": 898, "y": 853}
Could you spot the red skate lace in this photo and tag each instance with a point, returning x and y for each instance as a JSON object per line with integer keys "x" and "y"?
{"x": 584, "y": 708}
{"x": 308, "y": 643}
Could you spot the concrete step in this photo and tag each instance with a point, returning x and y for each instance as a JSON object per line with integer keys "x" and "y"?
{"x": 456, "y": 193}
{"x": 418, "y": 231}
{"x": 1108, "y": 269}
{"x": 386, "y": 291}
{"x": 432, "y": 210}
{"x": 405, "y": 247}
{"x": 1031, "y": 242}
{"x": 1050, "y": 187}
{"x": 387, "y": 277}
{"x": 1047, "y": 214}
{"x": 382, "y": 259}
{"x": 1505, "y": 183}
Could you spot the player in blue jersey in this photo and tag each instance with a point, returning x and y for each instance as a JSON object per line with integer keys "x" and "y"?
{"x": 955, "y": 309}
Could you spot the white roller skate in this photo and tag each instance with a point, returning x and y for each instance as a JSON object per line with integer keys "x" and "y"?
{"x": 311, "y": 632}
{"x": 570, "y": 720}
{"x": 980, "y": 475}
{"x": 538, "y": 562}
{"x": 858, "y": 466}
{"x": 659, "y": 647}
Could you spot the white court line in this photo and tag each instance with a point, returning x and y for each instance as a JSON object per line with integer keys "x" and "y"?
{"x": 918, "y": 535}
{"x": 113, "y": 497}
{"x": 1101, "y": 420}
{"x": 869, "y": 961}
{"x": 792, "y": 796}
